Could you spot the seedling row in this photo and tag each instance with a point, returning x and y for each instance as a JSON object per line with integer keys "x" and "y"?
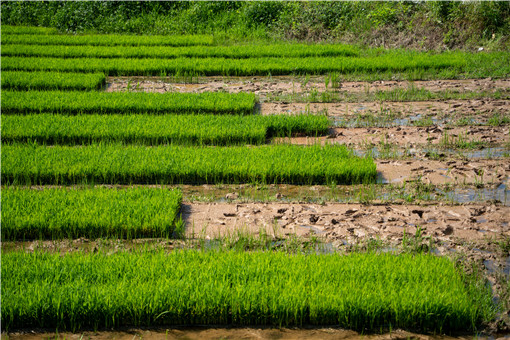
{"x": 32, "y": 80}
{"x": 76, "y": 102}
{"x": 119, "y": 164}
{"x": 239, "y": 51}
{"x": 91, "y": 213}
{"x": 153, "y": 288}
{"x": 161, "y": 129}
{"x": 237, "y": 67}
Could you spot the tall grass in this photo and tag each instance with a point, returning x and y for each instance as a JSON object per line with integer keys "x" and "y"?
{"x": 117, "y": 164}
{"x": 108, "y": 40}
{"x": 236, "y": 51}
{"x": 75, "y": 102}
{"x": 369, "y": 291}
{"x": 239, "y": 67}
{"x": 31, "y": 80}
{"x": 150, "y": 129}
{"x": 92, "y": 213}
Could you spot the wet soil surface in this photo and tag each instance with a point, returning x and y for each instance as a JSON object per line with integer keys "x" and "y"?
{"x": 478, "y": 109}
{"x": 237, "y": 333}
{"x": 264, "y": 86}
{"x": 475, "y": 137}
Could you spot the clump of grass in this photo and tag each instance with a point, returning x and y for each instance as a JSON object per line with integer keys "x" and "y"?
{"x": 460, "y": 142}
{"x": 89, "y": 212}
{"x": 499, "y": 120}
{"x": 151, "y": 288}
{"x": 423, "y": 122}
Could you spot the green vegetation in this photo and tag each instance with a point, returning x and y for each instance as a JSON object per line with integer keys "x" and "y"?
{"x": 461, "y": 141}
{"x": 423, "y": 25}
{"x": 149, "y": 129}
{"x": 8, "y": 29}
{"x": 150, "y": 288}
{"x": 20, "y": 80}
{"x": 241, "y": 67}
{"x": 499, "y": 120}
{"x": 240, "y": 51}
{"x": 91, "y": 213}
{"x": 107, "y": 40}
{"x": 117, "y": 164}
{"x": 126, "y": 102}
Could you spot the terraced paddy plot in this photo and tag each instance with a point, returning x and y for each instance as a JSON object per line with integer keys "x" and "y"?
{"x": 236, "y": 51}
{"x": 74, "y": 102}
{"x": 108, "y": 40}
{"x": 150, "y": 129}
{"x": 146, "y": 288}
{"x": 22, "y": 80}
{"x": 89, "y": 212}
{"x": 238, "y": 67}
{"x": 116, "y": 164}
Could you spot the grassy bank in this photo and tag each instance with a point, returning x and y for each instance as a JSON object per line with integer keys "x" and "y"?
{"x": 141, "y": 288}
{"x": 91, "y": 213}
{"x": 116, "y": 164}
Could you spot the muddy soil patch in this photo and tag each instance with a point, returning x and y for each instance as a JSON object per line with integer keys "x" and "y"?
{"x": 480, "y": 109}
{"x": 286, "y": 85}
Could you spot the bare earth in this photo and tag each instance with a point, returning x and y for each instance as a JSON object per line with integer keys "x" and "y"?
{"x": 263, "y": 86}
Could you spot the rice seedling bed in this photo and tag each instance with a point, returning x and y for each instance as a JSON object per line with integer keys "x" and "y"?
{"x": 152, "y": 288}
{"x": 33, "y": 80}
{"x": 238, "y": 67}
{"x": 236, "y": 51}
{"x": 107, "y": 40}
{"x": 164, "y": 129}
{"x": 90, "y": 212}
{"x": 75, "y": 102}
{"x": 117, "y": 164}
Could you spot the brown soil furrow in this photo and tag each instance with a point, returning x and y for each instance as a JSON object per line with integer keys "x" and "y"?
{"x": 475, "y": 107}
{"x": 264, "y": 86}
{"x": 410, "y": 136}
{"x": 350, "y": 222}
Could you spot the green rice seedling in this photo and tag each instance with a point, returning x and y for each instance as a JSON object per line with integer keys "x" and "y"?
{"x": 108, "y": 40}
{"x": 499, "y": 120}
{"x": 423, "y": 122}
{"x": 21, "y": 81}
{"x": 365, "y": 292}
{"x": 460, "y": 142}
{"x": 74, "y": 102}
{"x": 118, "y": 164}
{"x": 235, "y": 67}
{"x": 31, "y": 30}
{"x": 161, "y": 129}
{"x": 243, "y": 51}
{"x": 90, "y": 212}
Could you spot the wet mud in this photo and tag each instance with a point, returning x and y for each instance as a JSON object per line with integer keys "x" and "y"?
{"x": 285, "y": 85}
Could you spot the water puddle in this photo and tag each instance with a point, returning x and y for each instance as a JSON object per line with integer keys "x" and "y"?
{"x": 501, "y": 194}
